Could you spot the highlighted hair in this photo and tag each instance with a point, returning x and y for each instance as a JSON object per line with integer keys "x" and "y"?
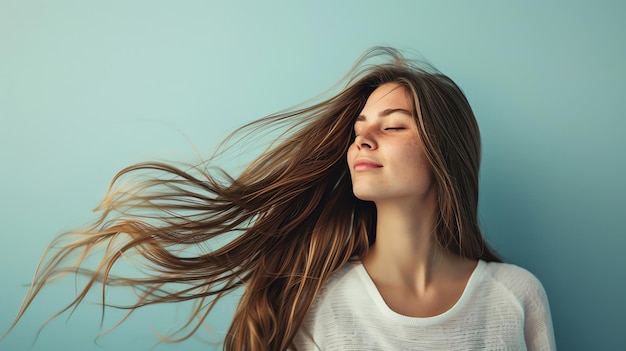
{"x": 290, "y": 219}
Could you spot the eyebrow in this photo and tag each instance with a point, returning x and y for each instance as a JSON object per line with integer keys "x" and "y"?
{"x": 388, "y": 112}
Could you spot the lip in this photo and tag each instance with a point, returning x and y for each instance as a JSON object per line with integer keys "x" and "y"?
{"x": 365, "y": 164}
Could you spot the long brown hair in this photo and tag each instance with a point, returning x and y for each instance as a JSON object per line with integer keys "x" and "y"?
{"x": 290, "y": 218}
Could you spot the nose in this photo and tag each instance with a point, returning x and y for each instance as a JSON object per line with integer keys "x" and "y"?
{"x": 366, "y": 140}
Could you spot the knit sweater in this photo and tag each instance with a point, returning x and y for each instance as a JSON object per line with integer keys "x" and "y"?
{"x": 503, "y": 307}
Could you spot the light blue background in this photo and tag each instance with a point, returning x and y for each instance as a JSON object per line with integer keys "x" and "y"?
{"x": 88, "y": 87}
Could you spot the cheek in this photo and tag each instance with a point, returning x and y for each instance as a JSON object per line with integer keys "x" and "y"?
{"x": 415, "y": 163}
{"x": 418, "y": 161}
{"x": 350, "y": 155}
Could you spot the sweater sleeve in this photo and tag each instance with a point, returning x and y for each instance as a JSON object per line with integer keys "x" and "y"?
{"x": 538, "y": 330}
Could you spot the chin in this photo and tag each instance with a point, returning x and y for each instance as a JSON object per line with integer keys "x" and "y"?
{"x": 365, "y": 196}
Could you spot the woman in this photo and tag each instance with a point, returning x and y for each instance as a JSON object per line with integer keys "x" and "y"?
{"x": 357, "y": 230}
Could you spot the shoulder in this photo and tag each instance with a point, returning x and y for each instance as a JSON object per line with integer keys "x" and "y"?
{"x": 343, "y": 284}
{"x": 510, "y": 274}
{"x": 339, "y": 305}
{"x": 532, "y": 299}
{"x": 520, "y": 283}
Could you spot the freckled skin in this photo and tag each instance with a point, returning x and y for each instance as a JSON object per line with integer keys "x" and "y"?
{"x": 390, "y": 140}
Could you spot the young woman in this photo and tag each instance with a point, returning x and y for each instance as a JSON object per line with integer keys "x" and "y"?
{"x": 357, "y": 230}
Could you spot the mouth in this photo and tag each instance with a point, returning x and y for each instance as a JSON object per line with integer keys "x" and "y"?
{"x": 365, "y": 165}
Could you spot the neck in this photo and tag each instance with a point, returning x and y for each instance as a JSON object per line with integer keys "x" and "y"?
{"x": 406, "y": 252}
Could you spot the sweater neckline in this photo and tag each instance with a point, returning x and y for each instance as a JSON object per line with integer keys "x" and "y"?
{"x": 380, "y": 303}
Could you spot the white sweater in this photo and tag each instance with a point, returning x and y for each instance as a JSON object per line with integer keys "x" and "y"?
{"x": 503, "y": 307}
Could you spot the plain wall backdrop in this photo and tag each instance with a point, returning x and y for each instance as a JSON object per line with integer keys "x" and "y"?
{"x": 88, "y": 87}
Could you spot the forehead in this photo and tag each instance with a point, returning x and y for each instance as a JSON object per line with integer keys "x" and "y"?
{"x": 388, "y": 95}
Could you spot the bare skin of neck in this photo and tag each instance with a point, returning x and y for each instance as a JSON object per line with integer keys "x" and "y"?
{"x": 413, "y": 274}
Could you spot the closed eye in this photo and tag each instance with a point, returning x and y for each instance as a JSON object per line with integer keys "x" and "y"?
{"x": 395, "y": 128}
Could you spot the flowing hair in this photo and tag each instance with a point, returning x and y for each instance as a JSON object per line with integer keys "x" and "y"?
{"x": 289, "y": 220}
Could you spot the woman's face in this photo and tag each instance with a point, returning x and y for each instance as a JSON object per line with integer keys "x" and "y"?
{"x": 386, "y": 160}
